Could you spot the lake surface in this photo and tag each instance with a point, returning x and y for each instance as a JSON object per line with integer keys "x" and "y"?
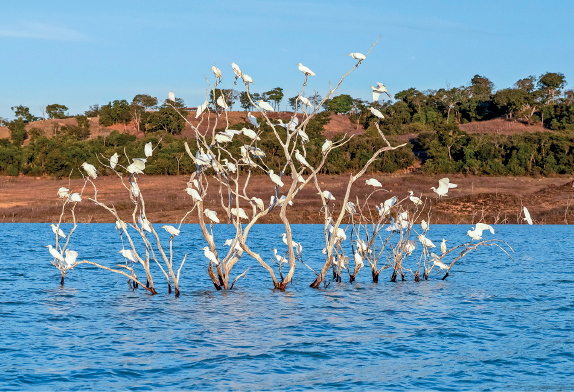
{"x": 494, "y": 324}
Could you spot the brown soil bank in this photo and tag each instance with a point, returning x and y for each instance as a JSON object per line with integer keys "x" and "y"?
{"x": 490, "y": 199}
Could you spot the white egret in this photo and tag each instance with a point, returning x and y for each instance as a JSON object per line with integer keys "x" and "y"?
{"x": 210, "y": 255}
{"x": 374, "y": 183}
{"x": 410, "y": 247}
{"x": 265, "y": 106}
{"x": 257, "y": 152}
{"x": 326, "y": 146}
{"x": 341, "y": 235}
{"x": 282, "y": 200}
{"x": 358, "y": 261}
{"x": 216, "y": 72}
{"x": 236, "y": 69}
{"x": 351, "y": 208}
{"x": 223, "y": 138}
{"x": 443, "y": 246}
{"x": 305, "y": 70}
{"x": 193, "y": 193}
{"x": 135, "y": 189}
{"x": 75, "y": 197}
{"x": 171, "y": 230}
{"x": 114, "y": 160}
{"x": 437, "y": 261}
{"x": 230, "y": 166}
{"x": 476, "y": 233}
{"x": 327, "y": 195}
{"x": 305, "y": 101}
{"x": 148, "y": 150}
{"x": 341, "y": 262}
{"x": 57, "y": 230}
{"x": 393, "y": 226}
{"x": 301, "y": 159}
{"x": 253, "y": 120}
{"x": 63, "y": 192}
{"x": 229, "y": 242}
{"x": 201, "y": 108}
{"x": 377, "y": 114}
{"x": 415, "y": 199}
{"x": 258, "y": 202}
{"x": 144, "y": 223}
{"x": 297, "y": 246}
{"x": 137, "y": 166}
{"x": 361, "y": 246}
{"x": 275, "y": 178}
{"x": 240, "y": 213}
{"x": 120, "y": 224}
{"x": 403, "y": 216}
{"x": 527, "y": 217}
{"x": 443, "y": 186}
{"x": 55, "y": 254}
{"x": 377, "y": 91}
{"x": 71, "y": 256}
{"x": 304, "y": 137}
{"x": 251, "y": 133}
{"x": 357, "y": 56}
{"x": 387, "y": 205}
{"x": 425, "y": 241}
{"x": 221, "y": 102}
{"x": 129, "y": 254}
{"x": 300, "y": 179}
{"x": 171, "y": 96}
{"x": 212, "y": 215}
{"x": 246, "y": 78}
{"x": 280, "y": 259}
{"x": 424, "y": 225}
{"x": 90, "y": 169}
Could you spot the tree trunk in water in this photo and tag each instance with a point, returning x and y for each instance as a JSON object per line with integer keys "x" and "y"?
{"x": 63, "y": 276}
{"x": 417, "y": 277}
{"x": 317, "y": 282}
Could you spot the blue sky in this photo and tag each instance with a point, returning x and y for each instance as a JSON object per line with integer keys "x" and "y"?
{"x": 80, "y": 53}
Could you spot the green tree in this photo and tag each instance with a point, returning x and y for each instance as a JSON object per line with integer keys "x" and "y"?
{"x": 276, "y": 95}
{"x": 93, "y": 111}
{"x": 17, "y": 131}
{"x": 81, "y": 131}
{"x": 56, "y": 111}
{"x": 23, "y": 113}
{"x": 244, "y": 101}
{"x": 140, "y": 104}
{"x": 552, "y": 83}
{"x": 511, "y": 100}
{"x": 339, "y": 104}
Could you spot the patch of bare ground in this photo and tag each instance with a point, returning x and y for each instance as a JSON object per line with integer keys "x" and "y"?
{"x": 487, "y": 199}
{"x": 502, "y": 126}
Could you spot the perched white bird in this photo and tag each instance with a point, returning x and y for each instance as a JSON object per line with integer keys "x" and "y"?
{"x": 341, "y": 262}
{"x": 443, "y": 186}
{"x": 75, "y": 197}
{"x": 437, "y": 261}
{"x": 236, "y": 69}
{"x": 443, "y": 246}
{"x": 304, "y": 137}
{"x": 300, "y": 179}
{"x": 327, "y": 195}
{"x": 129, "y": 254}
{"x": 351, "y": 208}
{"x": 305, "y": 70}
{"x": 362, "y": 246}
{"x": 410, "y": 246}
{"x": 282, "y": 200}
{"x": 171, "y": 96}
{"x": 210, "y": 255}
{"x": 326, "y": 146}
{"x": 250, "y": 133}
{"x": 148, "y": 150}
{"x": 424, "y": 225}
{"x": 144, "y": 223}
{"x": 120, "y": 224}
{"x": 275, "y": 178}
{"x": 201, "y": 108}
{"x": 376, "y": 113}
{"x": 374, "y": 183}
{"x": 229, "y": 242}
{"x": 240, "y": 213}
{"x": 358, "y": 56}
{"x": 223, "y": 138}
{"x": 221, "y": 102}
{"x": 476, "y": 233}
{"x": 258, "y": 202}
{"x": 63, "y": 192}
{"x": 193, "y": 193}
{"x": 377, "y": 91}
{"x": 216, "y": 72}
{"x": 137, "y": 166}
{"x": 297, "y": 246}
{"x": 252, "y": 119}
{"x": 246, "y": 78}
{"x": 135, "y": 189}
{"x": 305, "y": 101}
{"x": 171, "y": 230}
{"x": 212, "y": 215}
{"x": 55, "y": 254}
{"x": 527, "y": 217}
{"x": 57, "y": 230}
{"x": 358, "y": 261}
{"x": 341, "y": 235}
{"x": 393, "y": 226}
{"x": 425, "y": 241}
{"x": 301, "y": 158}
{"x": 71, "y": 256}
{"x": 257, "y": 152}
{"x": 415, "y": 199}
{"x": 114, "y": 160}
{"x": 230, "y": 166}
{"x": 265, "y": 106}
{"x": 280, "y": 259}
{"x": 90, "y": 169}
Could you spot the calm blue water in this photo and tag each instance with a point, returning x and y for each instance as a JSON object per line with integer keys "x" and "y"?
{"x": 493, "y": 324}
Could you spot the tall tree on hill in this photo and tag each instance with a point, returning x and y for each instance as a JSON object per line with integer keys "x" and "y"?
{"x": 140, "y": 104}
{"x": 526, "y": 84}
{"x": 552, "y": 82}
{"x": 23, "y": 113}
{"x": 56, "y": 111}
{"x": 244, "y": 101}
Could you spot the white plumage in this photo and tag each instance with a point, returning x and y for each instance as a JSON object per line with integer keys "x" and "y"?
{"x": 216, "y": 72}
{"x": 129, "y": 254}
{"x": 210, "y": 255}
{"x": 476, "y": 233}
{"x": 55, "y": 254}
{"x": 377, "y": 113}
{"x": 171, "y": 230}
{"x": 374, "y": 183}
{"x": 305, "y": 70}
{"x": 265, "y": 106}
{"x": 358, "y": 56}
{"x": 275, "y": 178}
{"x": 326, "y": 146}
{"x": 426, "y": 242}
{"x": 527, "y": 217}
{"x": 90, "y": 169}
{"x": 171, "y": 96}
{"x": 378, "y": 90}
{"x": 443, "y": 186}
{"x": 212, "y": 215}
{"x": 252, "y": 119}
{"x": 63, "y": 192}
{"x": 114, "y": 160}
{"x": 57, "y": 230}
{"x": 236, "y": 69}
{"x": 148, "y": 150}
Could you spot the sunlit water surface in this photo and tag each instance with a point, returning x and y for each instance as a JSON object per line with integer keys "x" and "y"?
{"x": 494, "y": 324}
